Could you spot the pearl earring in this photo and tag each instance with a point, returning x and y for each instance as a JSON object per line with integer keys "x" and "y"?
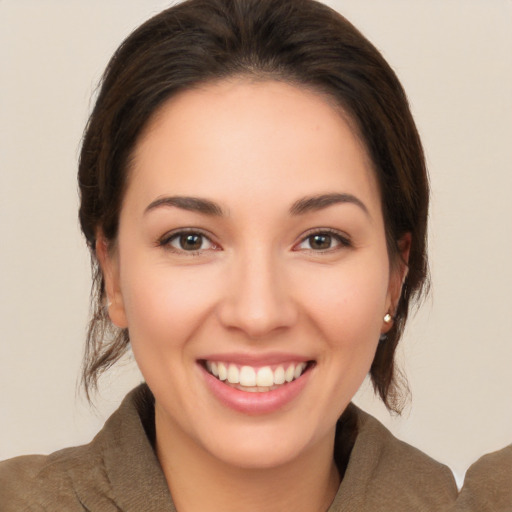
{"x": 387, "y": 318}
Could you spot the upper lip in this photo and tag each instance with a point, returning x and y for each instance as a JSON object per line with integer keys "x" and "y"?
{"x": 256, "y": 359}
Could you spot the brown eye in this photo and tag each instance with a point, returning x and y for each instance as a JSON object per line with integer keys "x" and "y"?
{"x": 189, "y": 242}
{"x": 324, "y": 241}
{"x": 320, "y": 242}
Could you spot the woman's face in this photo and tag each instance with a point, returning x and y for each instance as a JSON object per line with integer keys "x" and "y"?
{"x": 251, "y": 245}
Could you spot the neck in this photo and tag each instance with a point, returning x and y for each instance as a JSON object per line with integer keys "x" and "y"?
{"x": 306, "y": 484}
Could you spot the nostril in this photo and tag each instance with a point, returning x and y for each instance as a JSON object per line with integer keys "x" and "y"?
{"x": 255, "y": 300}
{"x": 256, "y": 320}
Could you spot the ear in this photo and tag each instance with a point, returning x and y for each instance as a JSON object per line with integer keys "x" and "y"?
{"x": 398, "y": 273}
{"x": 109, "y": 264}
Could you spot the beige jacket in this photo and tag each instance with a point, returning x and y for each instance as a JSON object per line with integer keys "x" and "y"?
{"x": 118, "y": 470}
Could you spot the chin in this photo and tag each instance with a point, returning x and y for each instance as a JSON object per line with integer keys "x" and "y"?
{"x": 259, "y": 449}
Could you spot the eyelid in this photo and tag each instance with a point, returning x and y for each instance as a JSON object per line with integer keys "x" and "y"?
{"x": 343, "y": 239}
{"x": 164, "y": 241}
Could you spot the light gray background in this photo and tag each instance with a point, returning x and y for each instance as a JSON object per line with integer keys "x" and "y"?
{"x": 454, "y": 58}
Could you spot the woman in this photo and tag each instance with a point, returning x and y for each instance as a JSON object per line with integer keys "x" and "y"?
{"x": 254, "y": 195}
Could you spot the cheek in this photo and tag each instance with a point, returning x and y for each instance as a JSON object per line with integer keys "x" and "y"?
{"x": 348, "y": 302}
{"x": 164, "y": 305}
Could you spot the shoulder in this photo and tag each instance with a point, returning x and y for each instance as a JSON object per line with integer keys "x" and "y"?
{"x": 488, "y": 484}
{"x": 386, "y": 474}
{"x": 89, "y": 477}
{"x": 397, "y": 458}
{"x": 34, "y": 482}
{"x": 17, "y": 477}
{"x": 117, "y": 470}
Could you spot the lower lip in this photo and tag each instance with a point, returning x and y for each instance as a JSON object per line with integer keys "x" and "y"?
{"x": 255, "y": 403}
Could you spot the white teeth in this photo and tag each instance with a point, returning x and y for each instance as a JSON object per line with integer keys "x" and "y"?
{"x": 289, "y": 373}
{"x": 251, "y": 379}
{"x": 247, "y": 376}
{"x": 279, "y": 375}
{"x": 223, "y": 372}
{"x": 299, "y": 369}
{"x": 233, "y": 374}
{"x": 265, "y": 377}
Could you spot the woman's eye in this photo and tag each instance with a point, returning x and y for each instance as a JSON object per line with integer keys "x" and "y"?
{"x": 189, "y": 242}
{"x": 323, "y": 241}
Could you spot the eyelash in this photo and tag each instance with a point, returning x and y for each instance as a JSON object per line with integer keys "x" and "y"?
{"x": 168, "y": 238}
{"x": 341, "y": 240}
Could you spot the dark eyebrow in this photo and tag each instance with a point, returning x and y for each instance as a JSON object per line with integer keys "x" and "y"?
{"x": 319, "y": 202}
{"x": 193, "y": 204}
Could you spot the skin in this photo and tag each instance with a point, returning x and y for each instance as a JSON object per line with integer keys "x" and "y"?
{"x": 257, "y": 285}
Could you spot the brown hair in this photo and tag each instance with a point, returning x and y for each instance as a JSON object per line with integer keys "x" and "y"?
{"x": 302, "y": 42}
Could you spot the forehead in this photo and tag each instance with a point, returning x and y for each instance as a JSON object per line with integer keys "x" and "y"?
{"x": 233, "y": 137}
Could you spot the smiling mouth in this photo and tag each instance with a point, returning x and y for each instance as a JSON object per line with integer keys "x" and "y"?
{"x": 256, "y": 380}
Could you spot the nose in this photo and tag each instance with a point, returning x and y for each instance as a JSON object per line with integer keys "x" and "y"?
{"x": 258, "y": 300}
